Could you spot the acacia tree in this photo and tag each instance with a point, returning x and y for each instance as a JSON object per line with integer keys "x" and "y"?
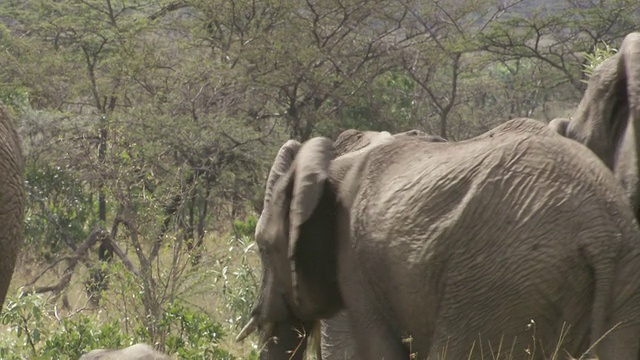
{"x": 301, "y": 62}
{"x": 127, "y": 116}
{"x": 440, "y": 54}
{"x": 162, "y": 112}
{"x": 555, "y": 36}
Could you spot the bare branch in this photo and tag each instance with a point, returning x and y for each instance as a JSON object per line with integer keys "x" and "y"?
{"x": 97, "y": 234}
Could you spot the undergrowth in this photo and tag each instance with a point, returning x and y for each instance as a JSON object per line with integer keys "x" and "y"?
{"x": 199, "y": 321}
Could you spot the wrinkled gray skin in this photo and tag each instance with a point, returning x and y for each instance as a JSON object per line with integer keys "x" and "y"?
{"x": 12, "y": 201}
{"x": 607, "y": 120}
{"x": 352, "y": 140}
{"x": 133, "y": 352}
{"x": 337, "y": 341}
{"x": 458, "y": 245}
{"x": 559, "y": 125}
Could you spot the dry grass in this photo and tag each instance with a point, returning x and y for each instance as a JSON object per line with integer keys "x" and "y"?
{"x": 528, "y": 353}
{"x": 203, "y": 287}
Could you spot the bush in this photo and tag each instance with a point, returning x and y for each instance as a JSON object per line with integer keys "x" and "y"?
{"x": 237, "y": 280}
{"x": 35, "y": 332}
{"x": 599, "y": 55}
{"x": 58, "y": 212}
{"x": 245, "y": 228}
{"x": 192, "y": 335}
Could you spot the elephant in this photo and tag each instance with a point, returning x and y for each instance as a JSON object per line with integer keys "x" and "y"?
{"x": 12, "y": 200}
{"x": 439, "y": 247}
{"x": 133, "y": 352}
{"x": 352, "y": 140}
{"x": 337, "y": 342}
{"x": 607, "y": 120}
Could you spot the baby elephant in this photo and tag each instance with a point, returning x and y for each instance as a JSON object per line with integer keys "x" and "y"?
{"x": 133, "y": 352}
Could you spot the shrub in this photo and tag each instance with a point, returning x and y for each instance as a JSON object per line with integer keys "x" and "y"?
{"x": 35, "y": 332}
{"x": 245, "y": 228}
{"x": 599, "y": 54}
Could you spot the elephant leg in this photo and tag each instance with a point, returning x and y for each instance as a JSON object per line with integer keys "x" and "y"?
{"x": 472, "y": 323}
{"x": 621, "y": 343}
{"x": 338, "y": 342}
{"x": 620, "y": 337}
{"x": 374, "y": 338}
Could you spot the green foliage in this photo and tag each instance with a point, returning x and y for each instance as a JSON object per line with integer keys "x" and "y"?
{"x": 237, "y": 278}
{"x": 59, "y": 211}
{"x": 26, "y": 318}
{"x": 81, "y": 334}
{"x": 34, "y": 329}
{"x": 596, "y": 57}
{"x": 14, "y": 97}
{"x": 192, "y": 335}
{"x": 246, "y": 228}
{"x": 388, "y": 105}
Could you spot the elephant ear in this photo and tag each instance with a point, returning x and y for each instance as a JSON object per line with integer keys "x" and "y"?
{"x": 281, "y": 165}
{"x": 312, "y": 231}
{"x": 310, "y": 175}
{"x": 608, "y": 117}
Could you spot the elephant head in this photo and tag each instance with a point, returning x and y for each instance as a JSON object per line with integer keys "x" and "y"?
{"x": 297, "y": 238}
{"x": 353, "y": 140}
{"x": 12, "y": 200}
{"x": 607, "y": 120}
{"x": 297, "y": 241}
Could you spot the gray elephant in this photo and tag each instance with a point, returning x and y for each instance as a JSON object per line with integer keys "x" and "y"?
{"x": 133, "y": 352}
{"x": 607, "y": 120}
{"x": 337, "y": 342}
{"x": 449, "y": 247}
{"x": 352, "y": 140}
{"x": 12, "y": 200}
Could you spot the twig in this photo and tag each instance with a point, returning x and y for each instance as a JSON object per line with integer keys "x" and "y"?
{"x": 97, "y": 234}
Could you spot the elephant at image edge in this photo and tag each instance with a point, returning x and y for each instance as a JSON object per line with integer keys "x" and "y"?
{"x": 133, "y": 352}
{"x": 607, "y": 120}
{"x": 446, "y": 242}
{"x": 12, "y": 200}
